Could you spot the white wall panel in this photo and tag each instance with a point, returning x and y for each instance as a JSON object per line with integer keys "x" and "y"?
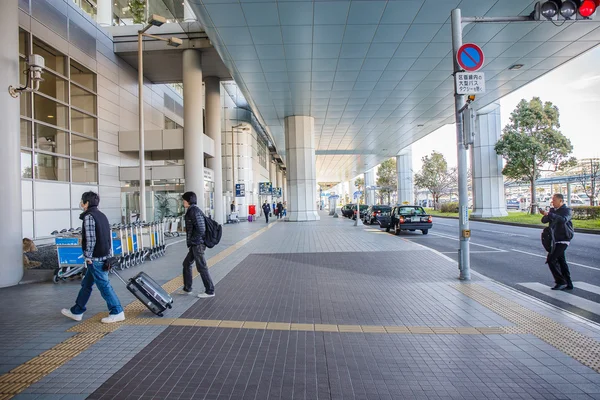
{"x": 27, "y": 223}
{"x": 50, "y": 195}
{"x": 78, "y": 190}
{"x": 48, "y": 221}
{"x": 27, "y": 195}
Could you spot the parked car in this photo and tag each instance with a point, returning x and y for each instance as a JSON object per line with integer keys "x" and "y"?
{"x": 513, "y": 204}
{"x": 348, "y": 210}
{"x": 370, "y": 216}
{"x": 363, "y": 210}
{"x": 409, "y": 218}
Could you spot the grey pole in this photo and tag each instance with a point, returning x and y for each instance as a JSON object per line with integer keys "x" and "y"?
{"x": 141, "y": 126}
{"x": 463, "y": 194}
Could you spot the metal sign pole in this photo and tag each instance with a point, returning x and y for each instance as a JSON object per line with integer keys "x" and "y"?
{"x": 463, "y": 194}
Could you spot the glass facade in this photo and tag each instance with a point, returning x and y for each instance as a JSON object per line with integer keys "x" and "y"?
{"x": 59, "y": 124}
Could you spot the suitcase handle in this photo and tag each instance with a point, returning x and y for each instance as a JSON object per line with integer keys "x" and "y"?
{"x": 119, "y": 276}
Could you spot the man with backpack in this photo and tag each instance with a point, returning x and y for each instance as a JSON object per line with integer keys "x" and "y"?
{"x": 561, "y": 233}
{"x": 195, "y": 230}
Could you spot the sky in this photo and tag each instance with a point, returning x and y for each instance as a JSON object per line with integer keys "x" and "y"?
{"x": 573, "y": 87}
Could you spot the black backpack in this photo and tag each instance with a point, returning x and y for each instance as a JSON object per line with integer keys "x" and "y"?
{"x": 547, "y": 239}
{"x": 214, "y": 230}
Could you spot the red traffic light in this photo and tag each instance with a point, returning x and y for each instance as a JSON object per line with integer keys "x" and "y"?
{"x": 588, "y": 7}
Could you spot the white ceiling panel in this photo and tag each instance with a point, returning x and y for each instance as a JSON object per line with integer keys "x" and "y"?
{"x": 371, "y": 71}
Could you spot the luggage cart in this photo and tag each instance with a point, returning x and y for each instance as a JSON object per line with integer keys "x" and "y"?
{"x": 71, "y": 263}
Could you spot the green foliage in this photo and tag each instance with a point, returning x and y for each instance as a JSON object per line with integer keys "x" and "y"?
{"x": 360, "y": 184}
{"x": 138, "y": 10}
{"x": 435, "y": 177}
{"x": 532, "y": 143}
{"x": 386, "y": 178}
{"x": 586, "y": 212}
{"x": 451, "y": 207}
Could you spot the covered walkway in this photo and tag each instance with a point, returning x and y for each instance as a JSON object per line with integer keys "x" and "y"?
{"x": 314, "y": 310}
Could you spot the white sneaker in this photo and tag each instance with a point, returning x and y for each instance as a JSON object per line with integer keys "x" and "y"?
{"x": 205, "y": 295}
{"x": 114, "y": 318}
{"x": 67, "y": 313}
{"x": 183, "y": 292}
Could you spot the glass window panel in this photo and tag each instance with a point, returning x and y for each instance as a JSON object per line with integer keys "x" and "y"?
{"x": 83, "y": 76}
{"x": 84, "y": 172}
{"x": 84, "y": 148}
{"x": 23, "y": 42}
{"x": 83, "y": 123}
{"x": 54, "y": 86}
{"x": 83, "y": 99}
{"x": 51, "y": 139}
{"x": 51, "y": 168}
{"x": 54, "y": 59}
{"x": 50, "y": 111}
{"x": 26, "y": 171}
{"x": 25, "y": 133}
{"x": 25, "y": 101}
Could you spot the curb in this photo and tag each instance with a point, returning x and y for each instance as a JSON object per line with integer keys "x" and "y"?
{"x": 578, "y": 230}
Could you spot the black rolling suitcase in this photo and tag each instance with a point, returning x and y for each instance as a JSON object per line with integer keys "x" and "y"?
{"x": 146, "y": 290}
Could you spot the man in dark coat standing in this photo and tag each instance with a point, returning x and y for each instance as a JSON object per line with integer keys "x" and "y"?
{"x": 561, "y": 228}
{"x": 266, "y": 210}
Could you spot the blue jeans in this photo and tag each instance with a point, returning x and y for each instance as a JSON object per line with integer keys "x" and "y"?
{"x": 96, "y": 275}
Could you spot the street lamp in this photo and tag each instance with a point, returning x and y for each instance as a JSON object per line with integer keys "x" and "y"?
{"x": 244, "y": 128}
{"x": 154, "y": 20}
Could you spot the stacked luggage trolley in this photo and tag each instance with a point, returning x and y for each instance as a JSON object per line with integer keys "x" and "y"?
{"x": 132, "y": 244}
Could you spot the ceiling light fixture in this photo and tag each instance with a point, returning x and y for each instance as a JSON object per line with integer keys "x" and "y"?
{"x": 420, "y": 126}
{"x": 515, "y": 67}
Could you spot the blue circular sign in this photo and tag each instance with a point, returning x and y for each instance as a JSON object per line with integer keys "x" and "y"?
{"x": 470, "y": 57}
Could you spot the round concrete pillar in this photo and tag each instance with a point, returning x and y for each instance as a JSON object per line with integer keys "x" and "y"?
{"x": 301, "y": 161}
{"x": 193, "y": 133}
{"x": 11, "y": 246}
{"x": 213, "y": 130}
{"x": 405, "y": 176}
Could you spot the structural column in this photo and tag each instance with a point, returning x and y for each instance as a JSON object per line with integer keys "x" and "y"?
{"x": 213, "y": 130}
{"x": 273, "y": 173}
{"x": 300, "y": 149}
{"x": 193, "y": 135}
{"x": 280, "y": 178}
{"x": 104, "y": 12}
{"x": 11, "y": 245}
{"x": 369, "y": 182}
{"x": 488, "y": 182}
{"x": 405, "y": 176}
{"x": 284, "y": 187}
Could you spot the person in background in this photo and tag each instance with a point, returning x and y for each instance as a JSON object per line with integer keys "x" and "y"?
{"x": 279, "y": 210}
{"x": 285, "y": 208}
{"x": 266, "y": 210}
{"x": 559, "y": 218}
{"x": 232, "y": 206}
{"x": 195, "y": 230}
{"x": 96, "y": 245}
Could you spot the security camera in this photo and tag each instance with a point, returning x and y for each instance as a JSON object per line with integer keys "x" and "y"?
{"x": 35, "y": 68}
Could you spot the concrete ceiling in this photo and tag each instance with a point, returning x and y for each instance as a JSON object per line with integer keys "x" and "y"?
{"x": 376, "y": 75}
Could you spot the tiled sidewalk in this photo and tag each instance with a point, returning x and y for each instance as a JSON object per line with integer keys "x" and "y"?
{"x": 325, "y": 310}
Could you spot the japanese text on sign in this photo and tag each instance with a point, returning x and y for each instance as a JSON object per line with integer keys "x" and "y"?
{"x": 470, "y": 83}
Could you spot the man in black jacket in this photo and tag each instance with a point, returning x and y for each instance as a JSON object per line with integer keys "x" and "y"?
{"x": 561, "y": 227}
{"x": 195, "y": 230}
{"x": 96, "y": 246}
{"x": 266, "y": 210}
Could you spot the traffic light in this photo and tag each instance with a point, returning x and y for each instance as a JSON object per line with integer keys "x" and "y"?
{"x": 554, "y": 10}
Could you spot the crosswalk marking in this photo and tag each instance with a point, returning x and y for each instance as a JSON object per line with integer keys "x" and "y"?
{"x": 568, "y": 262}
{"x": 565, "y": 297}
{"x": 587, "y": 287}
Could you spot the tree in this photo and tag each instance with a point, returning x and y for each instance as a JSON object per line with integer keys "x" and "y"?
{"x": 387, "y": 179}
{"x": 435, "y": 177}
{"x": 360, "y": 184}
{"x": 590, "y": 172}
{"x": 138, "y": 10}
{"x": 532, "y": 143}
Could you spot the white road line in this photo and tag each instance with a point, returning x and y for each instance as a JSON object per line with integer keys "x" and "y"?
{"x": 502, "y": 233}
{"x": 566, "y": 297}
{"x": 477, "y": 251}
{"x": 587, "y": 287}
{"x": 496, "y": 250}
{"x": 568, "y": 262}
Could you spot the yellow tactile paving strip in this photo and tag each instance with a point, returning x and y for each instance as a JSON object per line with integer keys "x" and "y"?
{"x": 92, "y": 330}
{"x": 285, "y": 326}
{"x": 580, "y": 347}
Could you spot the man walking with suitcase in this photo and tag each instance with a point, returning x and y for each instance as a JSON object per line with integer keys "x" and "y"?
{"x": 96, "y": 245}
{"x": 195, "y": 230}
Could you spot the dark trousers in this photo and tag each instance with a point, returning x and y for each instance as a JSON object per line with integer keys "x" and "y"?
{"x": 267, "y": 217}
{"x": 558, "y": 265}
{"x": 196, "y": 253}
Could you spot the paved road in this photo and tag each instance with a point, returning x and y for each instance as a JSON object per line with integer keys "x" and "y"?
{"x": 515, "y": 257}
